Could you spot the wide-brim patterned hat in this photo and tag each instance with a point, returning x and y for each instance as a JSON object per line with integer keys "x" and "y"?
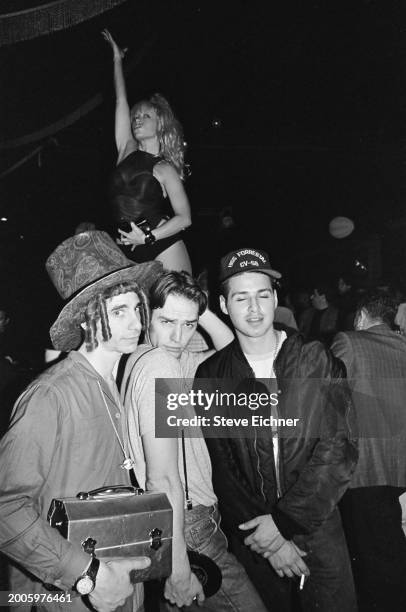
{"x": 82, "y": 267}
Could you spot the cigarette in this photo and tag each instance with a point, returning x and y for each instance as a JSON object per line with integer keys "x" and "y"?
{"x": 302, "y": 580}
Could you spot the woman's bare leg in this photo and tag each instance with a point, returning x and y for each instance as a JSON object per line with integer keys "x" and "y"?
{"x": 176, "y": 257}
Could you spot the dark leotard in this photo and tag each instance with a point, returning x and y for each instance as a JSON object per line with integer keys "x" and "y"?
{"x": 135, "y": 195}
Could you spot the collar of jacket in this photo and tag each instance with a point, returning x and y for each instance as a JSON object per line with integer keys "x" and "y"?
{"x": 379, "y": 328}
{"x": 286, "y": 353}
{"x": 81, "y": 362}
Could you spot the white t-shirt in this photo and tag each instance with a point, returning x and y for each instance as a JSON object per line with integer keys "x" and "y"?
{"x": 262, "y": 364}
{"x": 263, "y": 367}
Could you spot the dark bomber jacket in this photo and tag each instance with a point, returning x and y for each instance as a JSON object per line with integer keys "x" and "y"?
{"x": 315, "y": 463}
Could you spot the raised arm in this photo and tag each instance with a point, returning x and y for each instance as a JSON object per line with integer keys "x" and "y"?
{"x": 219, "y": 332}
{"x": 123, "y": 133}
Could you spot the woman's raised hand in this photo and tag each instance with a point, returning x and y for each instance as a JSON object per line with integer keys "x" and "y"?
{"x": 117, "y": 52}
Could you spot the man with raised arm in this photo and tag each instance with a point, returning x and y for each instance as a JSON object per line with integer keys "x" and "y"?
{"x": 178, "y": 304}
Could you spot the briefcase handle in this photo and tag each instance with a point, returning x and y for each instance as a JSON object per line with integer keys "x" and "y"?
{"x": 110, "y": 491}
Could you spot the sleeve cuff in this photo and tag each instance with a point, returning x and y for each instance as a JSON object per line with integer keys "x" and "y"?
{"x": 71, "y": 566}
{"x": 287, "y": 526}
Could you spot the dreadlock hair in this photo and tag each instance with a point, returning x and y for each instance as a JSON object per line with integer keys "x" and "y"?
{"x": 96, "y": 310}
{"x": 170, "y": 132}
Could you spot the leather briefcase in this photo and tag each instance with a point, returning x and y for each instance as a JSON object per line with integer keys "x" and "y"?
{"x": 119, "y": 522}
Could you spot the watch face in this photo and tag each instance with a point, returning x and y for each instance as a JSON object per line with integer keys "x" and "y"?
{"x": 84, "y": 585}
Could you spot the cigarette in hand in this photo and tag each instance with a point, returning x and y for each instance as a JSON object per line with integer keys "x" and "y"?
{"x": 302, "y": 581}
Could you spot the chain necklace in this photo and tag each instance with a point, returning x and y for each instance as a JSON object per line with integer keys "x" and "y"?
{"x": 128, "y": 463}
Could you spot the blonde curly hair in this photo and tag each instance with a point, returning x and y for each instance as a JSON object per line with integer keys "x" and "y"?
{"x": 170, "y": 132}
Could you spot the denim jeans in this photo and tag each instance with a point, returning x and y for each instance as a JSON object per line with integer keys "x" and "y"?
{"x": 203, "y": 534}
{"x": 330, "y": 587}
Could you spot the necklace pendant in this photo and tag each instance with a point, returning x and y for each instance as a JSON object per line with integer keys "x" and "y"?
{"x": 127, "y": 464}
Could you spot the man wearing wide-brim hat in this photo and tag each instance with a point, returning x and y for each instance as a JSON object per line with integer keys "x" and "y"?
{"x": 66, "y": 429}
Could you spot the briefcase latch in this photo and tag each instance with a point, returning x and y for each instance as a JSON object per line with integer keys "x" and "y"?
{"x": 156, "y": 541}
{"x": 89, "y": 546}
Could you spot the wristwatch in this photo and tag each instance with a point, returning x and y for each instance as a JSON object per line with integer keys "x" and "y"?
{"x": 87, "y": 581}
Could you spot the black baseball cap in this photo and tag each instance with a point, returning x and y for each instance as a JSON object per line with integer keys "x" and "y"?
{"x": 246, "y": 260}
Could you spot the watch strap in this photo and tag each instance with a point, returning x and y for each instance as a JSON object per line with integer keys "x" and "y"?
{"x": 90, "y": 571}
{"x": 93, "y": 568}
{"x": 149, "y": 238}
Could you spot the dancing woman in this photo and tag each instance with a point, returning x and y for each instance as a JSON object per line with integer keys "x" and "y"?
{"x": 147, "y": 181}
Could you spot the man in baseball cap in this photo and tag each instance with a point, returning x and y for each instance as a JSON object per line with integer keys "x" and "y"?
{"x": 278, "y": 487}
{"x": 66, "y": 429}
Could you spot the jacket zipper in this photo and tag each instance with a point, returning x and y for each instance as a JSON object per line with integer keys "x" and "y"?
{"x": 275, "y": 463}
{"x": 278, "y": 478}
{"x": 258, "y": 467}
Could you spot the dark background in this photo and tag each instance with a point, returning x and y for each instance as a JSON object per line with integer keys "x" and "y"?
{"x": 294, "y": 113}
